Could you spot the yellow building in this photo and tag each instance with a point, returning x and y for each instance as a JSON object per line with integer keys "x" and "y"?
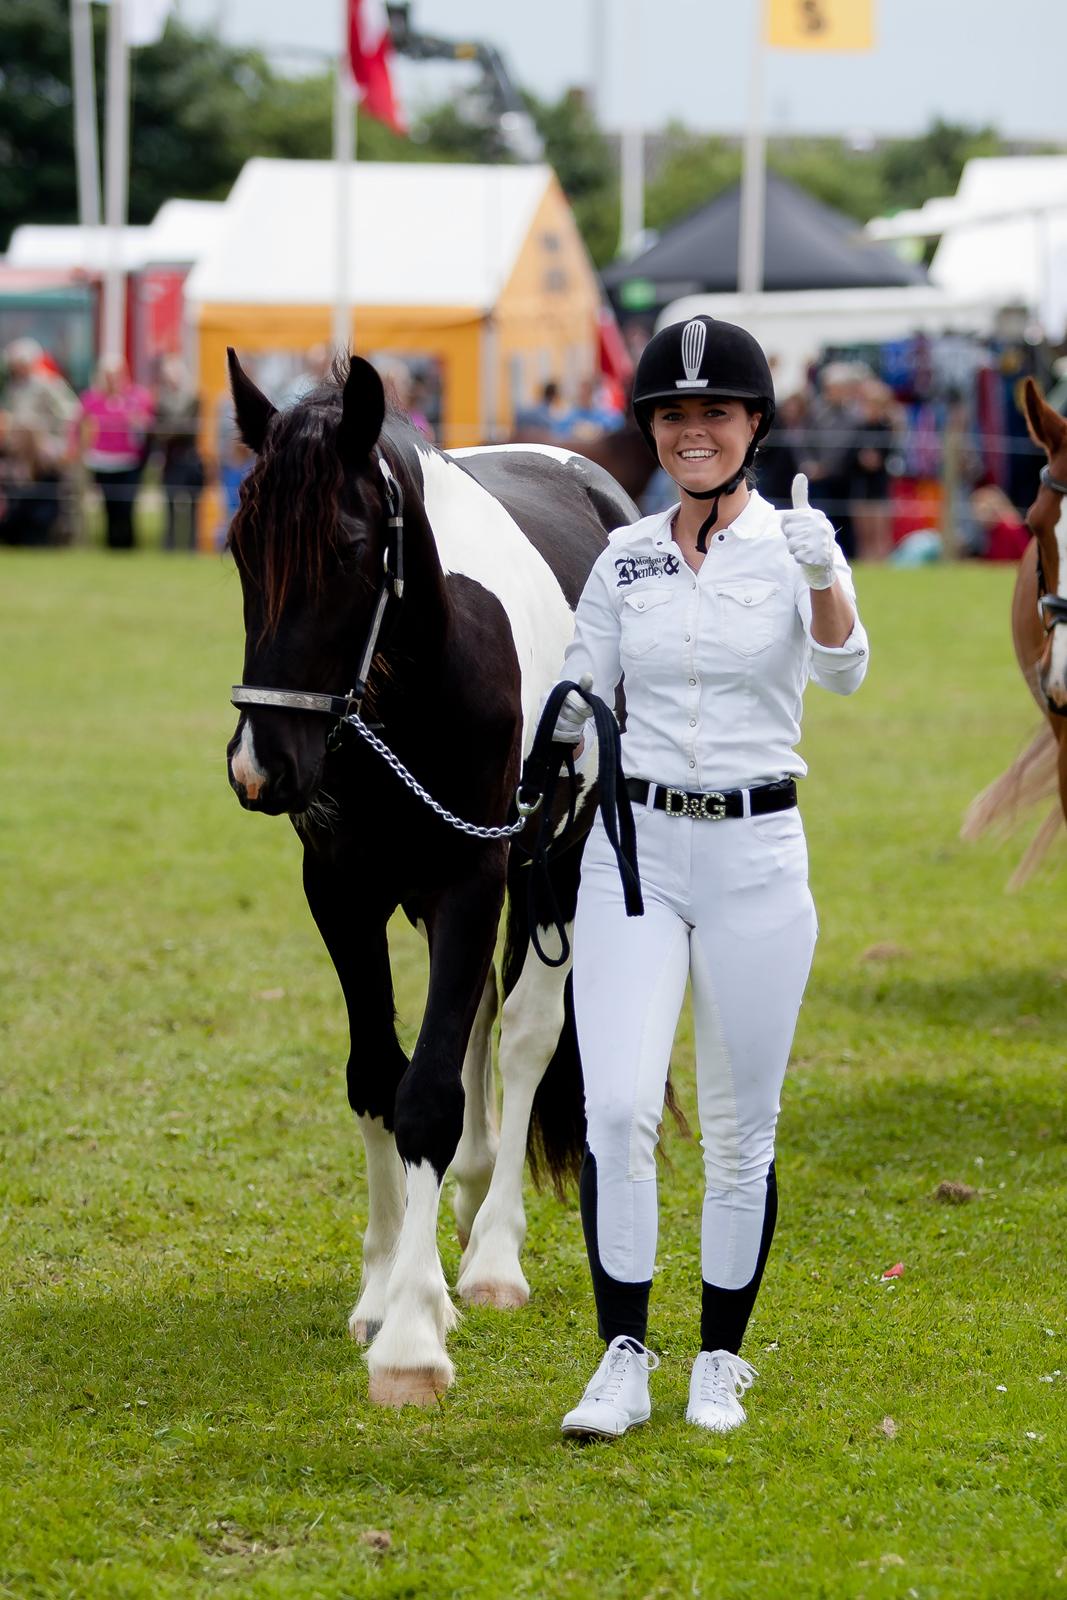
{"x": 477, "y": 269}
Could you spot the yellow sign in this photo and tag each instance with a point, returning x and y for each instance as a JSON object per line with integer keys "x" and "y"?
{"x": 819, "y": 24}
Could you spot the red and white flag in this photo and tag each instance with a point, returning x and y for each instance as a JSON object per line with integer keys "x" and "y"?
{"x": 370, "y": 51}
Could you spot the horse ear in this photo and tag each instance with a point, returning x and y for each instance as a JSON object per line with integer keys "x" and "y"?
{"x": 1045, "y": 426}
{"x": 253, "y": 410}
{"x": 362, "y": 413}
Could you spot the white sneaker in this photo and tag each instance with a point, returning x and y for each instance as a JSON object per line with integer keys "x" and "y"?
{"x": 616, "y": 1396}
{"x": 719, "y": 1379}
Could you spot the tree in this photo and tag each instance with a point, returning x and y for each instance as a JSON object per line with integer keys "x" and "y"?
{"x": 914, "y": 170}
{"x": 693, "y": 171}
{"x": 36, "y": 139}
{"x": 849, "y": 180}
{"x": 582, "y": 157}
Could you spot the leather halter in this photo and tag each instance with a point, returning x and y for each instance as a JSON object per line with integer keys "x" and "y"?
{"x": 392, "y": 588}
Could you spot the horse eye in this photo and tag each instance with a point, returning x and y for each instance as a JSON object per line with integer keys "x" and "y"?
{"x": 354, "y": 532}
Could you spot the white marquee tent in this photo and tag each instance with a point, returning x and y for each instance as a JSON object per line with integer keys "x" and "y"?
{"x": 1003, "y": 235}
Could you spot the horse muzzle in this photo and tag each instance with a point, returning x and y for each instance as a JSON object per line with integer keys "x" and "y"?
{"x": 276, "y": 785}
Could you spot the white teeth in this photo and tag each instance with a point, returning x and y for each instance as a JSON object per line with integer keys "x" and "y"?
{"x": 696, "y": 455}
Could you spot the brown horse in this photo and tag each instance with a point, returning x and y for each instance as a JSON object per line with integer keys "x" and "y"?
{"x": 1039, "y": 631}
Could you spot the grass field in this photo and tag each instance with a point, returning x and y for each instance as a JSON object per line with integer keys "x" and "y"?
{"x": 181, "y": 1412}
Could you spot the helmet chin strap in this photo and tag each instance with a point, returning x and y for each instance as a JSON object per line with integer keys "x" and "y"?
{"x": 715, "y": 495}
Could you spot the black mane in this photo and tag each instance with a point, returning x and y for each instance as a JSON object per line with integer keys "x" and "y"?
{"x": 288, "y": 526}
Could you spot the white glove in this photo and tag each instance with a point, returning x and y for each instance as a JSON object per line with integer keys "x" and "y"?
{"x": 572, "y": 714}
{"x": 810, "y": 537}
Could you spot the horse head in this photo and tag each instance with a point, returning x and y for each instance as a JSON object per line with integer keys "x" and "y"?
{"x": 1047, "y": 521}
{"x": 307, "y": 541}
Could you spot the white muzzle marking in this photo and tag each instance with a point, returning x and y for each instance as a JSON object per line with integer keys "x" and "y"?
{"x": 244, "y": 766}
{"x": 1056, "y": 676}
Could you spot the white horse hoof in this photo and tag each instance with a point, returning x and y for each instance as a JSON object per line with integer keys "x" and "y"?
{"x": 416, "y": 1386}
{"x": 501, "y": 1296}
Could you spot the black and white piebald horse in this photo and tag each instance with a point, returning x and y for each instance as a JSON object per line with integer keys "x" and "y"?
{"x": 495, "y": 546}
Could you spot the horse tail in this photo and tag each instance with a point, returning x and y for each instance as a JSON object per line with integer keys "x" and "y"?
{"x": 556, "y": 1140}
{"x": 1001, "y": 806}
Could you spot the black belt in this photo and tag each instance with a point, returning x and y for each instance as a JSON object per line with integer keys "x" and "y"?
{"x": 715, "y": 804}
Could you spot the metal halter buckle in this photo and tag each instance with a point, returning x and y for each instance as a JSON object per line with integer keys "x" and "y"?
{"x": 1053, "y": 609}
{"x": 703, "y": 807}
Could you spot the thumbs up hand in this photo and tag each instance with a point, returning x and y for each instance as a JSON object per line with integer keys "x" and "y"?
{"x": 810, "y": 538}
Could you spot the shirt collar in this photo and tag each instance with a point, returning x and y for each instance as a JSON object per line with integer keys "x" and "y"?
{"x": 756, "y": 521}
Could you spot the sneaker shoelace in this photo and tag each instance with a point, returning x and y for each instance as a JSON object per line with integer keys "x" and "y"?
{"x": 621, "y": 1352}
{"x": 726, "y": 1377}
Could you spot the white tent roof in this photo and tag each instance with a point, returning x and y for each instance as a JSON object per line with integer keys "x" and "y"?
{"x": 1003, "y": 234}
{"x": 430, "y": 234}
{"x": 68, "y": 247}
{"x": 182, "y": 230}
{"x": 178, "y": 235}
{"x": 794, "y": 326}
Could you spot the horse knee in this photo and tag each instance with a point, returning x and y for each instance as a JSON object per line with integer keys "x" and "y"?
{"x": 428, "y": 1121}
{"x": 372, "y": 1078}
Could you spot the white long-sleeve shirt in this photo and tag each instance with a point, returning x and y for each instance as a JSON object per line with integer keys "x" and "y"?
{"x": 715, "y": 661}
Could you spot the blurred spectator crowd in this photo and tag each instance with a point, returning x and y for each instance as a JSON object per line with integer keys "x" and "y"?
{"x": 53, "y": 443}
{"x": 889, "y": 461}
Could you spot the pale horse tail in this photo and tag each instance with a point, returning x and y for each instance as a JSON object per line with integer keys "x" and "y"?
{"x": 1001, "y": 807}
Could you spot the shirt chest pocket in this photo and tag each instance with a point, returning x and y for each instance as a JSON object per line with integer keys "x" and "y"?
{"x": 643, "y": 621}
{"x": 751, "y": 614}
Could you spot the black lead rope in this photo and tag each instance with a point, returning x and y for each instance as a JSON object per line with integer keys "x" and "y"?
{"x": 540, "y": 777}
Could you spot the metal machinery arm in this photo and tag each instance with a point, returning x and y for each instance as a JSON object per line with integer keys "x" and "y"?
{"x": 514, "y": 122}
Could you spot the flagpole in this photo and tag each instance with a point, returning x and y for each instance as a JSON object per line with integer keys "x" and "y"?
{"x": 113, "y": 341}
{"x": 632, "y": 140}
{"x": 754, "y": 171}
{"x": 83, "y": 78}
{"x": 344, "y": 155}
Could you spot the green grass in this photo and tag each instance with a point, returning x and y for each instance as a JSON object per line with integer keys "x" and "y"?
{"x": 181, "y": 1413}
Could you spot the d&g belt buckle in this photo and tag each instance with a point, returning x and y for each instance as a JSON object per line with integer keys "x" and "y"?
{"x": 703, "y": 807}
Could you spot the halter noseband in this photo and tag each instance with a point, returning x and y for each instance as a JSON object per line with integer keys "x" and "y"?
{"x": 392, "y": 588}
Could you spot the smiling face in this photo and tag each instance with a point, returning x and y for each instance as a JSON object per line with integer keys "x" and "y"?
{"x": 702, "y": 440}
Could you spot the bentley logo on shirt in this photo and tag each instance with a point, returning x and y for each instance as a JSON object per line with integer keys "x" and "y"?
{"x": 630, "y": 568}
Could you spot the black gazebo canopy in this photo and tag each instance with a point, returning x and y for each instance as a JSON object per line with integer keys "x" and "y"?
{"x": 807, "y": 245}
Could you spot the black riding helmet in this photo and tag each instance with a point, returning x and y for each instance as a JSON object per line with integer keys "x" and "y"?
{"x": 703, "y": 356}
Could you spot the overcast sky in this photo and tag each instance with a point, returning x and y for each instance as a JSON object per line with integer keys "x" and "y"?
{"x": 966, "y": 60}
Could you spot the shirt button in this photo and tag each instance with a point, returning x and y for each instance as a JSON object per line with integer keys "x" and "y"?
{"x": 720, "y": 537}
{"x": 689, "y": 636}
{"x": 748, "y": 599}
{"x": 640, "y": 605}
{"x": 692, "y": 722}
{"x": 692, "y": 683}
{"x": 861, "y": 652}
{"x": 692, "y": 763}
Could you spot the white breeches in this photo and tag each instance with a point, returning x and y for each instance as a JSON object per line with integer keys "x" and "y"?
{"x": 727, "y": 905}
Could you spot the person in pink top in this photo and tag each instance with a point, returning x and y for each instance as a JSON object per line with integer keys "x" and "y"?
{"x": 116, "y": 417}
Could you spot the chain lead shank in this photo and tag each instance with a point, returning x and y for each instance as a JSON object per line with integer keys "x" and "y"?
{"x": 473, "y": 830}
